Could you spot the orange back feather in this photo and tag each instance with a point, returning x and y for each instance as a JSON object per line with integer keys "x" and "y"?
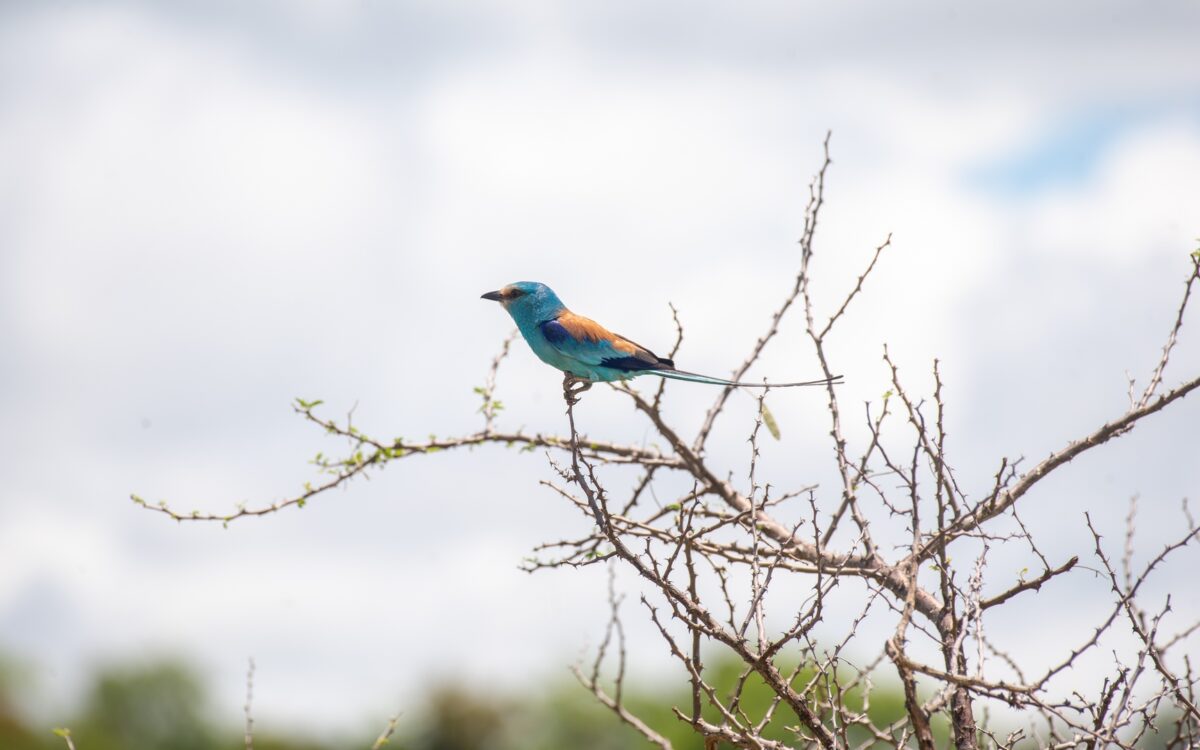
{"x": 586, "y": 329}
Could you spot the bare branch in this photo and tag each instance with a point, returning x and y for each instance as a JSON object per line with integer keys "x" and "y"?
{"x": 1032, "y": 585}
{"x": 1173, "y": 337}
{"x": 1006, "y": 499}
{"x": 248, "y": 735}
{"x": 386, "y": 735}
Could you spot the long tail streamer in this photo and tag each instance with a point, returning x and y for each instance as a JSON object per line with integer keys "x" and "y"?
{"x": 693, "y": 377}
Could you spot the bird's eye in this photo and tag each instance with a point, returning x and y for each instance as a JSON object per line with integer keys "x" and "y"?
{"x": 513, "y": 293}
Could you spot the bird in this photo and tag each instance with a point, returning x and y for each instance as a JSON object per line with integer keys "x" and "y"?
{"x": 587, "y": 352}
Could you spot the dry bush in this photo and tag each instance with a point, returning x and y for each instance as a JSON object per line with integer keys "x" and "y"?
{"x": 713, "y": 556}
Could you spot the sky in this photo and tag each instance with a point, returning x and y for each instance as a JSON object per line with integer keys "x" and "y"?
{"x": 208, "y": 209}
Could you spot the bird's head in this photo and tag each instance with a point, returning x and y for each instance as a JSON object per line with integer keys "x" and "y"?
{"x": 527, "y": 299}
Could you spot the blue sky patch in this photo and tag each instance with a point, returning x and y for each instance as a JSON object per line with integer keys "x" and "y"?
{"x": 1064, "y": 154}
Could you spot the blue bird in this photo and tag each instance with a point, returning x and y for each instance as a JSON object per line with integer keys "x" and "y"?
{"x": 587, "y": 351}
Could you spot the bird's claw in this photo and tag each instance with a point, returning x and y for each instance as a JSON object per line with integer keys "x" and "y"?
{"x": 572, "y": 387}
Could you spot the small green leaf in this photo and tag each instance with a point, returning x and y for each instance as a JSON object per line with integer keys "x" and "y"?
{"x": 61, "y": 732}
{"x": 769, "y": 420}
{"x": 888, "y": 394}
{"x": 672, "y": 506}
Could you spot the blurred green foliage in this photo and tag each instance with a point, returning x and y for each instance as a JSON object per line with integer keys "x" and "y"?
{"x": 158, "y": 706}
{"x": 164, "y": 706}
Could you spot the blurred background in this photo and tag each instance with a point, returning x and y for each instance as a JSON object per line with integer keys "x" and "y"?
{"x": 208, "y": 209}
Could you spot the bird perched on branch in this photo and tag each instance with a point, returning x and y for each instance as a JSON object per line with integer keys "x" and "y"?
{"x": 587, "y": 351}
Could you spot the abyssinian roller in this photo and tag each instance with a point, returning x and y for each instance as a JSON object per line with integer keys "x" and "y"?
{"x": 586, "y": 350}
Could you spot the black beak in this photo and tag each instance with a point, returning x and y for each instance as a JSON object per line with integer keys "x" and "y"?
{"x": 494, "y": 296}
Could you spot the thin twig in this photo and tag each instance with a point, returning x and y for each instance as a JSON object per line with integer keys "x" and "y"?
{"x": 249, "y": 731}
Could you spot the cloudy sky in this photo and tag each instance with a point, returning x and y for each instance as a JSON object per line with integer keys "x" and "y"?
{"x": 207, "y": 209}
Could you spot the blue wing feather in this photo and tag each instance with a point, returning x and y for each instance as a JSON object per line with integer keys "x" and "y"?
{"x": 555, "y": 332}
{"x": 587, "y": 351}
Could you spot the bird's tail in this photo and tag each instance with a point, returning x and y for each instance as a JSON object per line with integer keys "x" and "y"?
{"x": 693, "y": 377}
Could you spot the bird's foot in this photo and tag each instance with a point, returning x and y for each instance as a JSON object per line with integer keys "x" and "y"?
{"x": 572, "y": 387}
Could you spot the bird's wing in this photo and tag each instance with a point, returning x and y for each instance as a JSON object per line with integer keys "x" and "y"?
{"x": 589, "y": 342}
{"x": 593, "y": 345}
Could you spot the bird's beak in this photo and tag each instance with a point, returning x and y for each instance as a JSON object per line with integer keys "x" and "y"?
{"x": 494, "y": 296}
